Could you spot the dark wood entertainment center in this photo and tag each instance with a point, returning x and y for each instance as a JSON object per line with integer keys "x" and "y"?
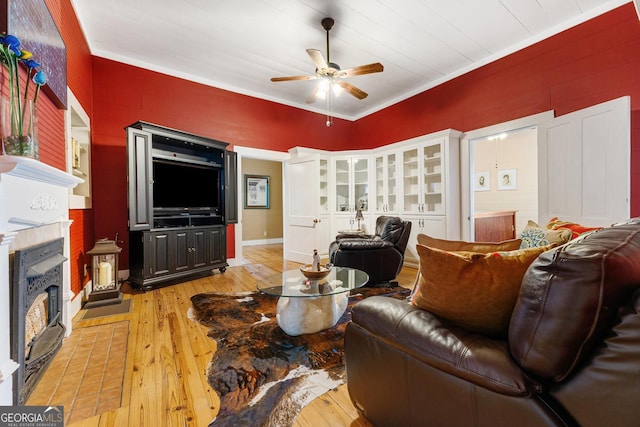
{"x": 182, "y": 192}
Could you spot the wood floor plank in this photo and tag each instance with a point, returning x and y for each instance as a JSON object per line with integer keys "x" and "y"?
{"x": 172, "y": 404}
{"x": 143, "y": 407}
{"x": 168, "y": 354}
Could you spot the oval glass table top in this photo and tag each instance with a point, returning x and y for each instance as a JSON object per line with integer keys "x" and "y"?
{"x": 292, "y": 283}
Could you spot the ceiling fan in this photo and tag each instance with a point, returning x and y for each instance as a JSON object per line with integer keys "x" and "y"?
{"x": 330, "y": 72}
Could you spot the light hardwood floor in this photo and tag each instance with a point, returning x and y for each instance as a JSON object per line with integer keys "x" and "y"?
{"x": 168, "y": 354}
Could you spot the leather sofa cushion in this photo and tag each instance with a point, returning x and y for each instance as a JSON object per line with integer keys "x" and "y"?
{"x": 570, "y": 295}
{"x": 459, "y": 245}
{"x": 479, "y": 359}
{"x": 474, "y": 290}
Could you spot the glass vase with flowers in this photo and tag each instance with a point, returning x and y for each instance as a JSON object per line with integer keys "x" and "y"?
{"x": 18, "y": 107}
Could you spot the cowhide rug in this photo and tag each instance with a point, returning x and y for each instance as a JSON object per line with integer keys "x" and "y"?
{"x": 263, "y": 376}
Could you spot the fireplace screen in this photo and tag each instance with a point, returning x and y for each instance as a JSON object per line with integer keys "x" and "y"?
{"x": 36, "y": 319}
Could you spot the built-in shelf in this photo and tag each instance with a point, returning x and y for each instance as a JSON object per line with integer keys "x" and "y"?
{"x": 79, "y": 152}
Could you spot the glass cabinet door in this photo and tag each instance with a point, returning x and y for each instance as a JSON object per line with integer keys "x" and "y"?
{"x": 380, "y": 183}
{"x": 385, "y": 182}
{"x": 352, "y": 184}
{"x": 432, "y": 179}
{"x": 410, "y": 180}
{"x": 324, "y": 186}
{"x": 361, "y": 183}
{"x": 342, "y": 174}
{"x": 392, "y": 186}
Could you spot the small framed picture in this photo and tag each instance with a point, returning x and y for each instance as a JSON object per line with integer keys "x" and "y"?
{"x": 256, "y": 191}
{"x": 507, "y": 179}
{"x": 482, "y": 181}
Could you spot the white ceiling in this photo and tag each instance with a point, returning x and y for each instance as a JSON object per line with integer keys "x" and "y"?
{"x": 239, "y": 45}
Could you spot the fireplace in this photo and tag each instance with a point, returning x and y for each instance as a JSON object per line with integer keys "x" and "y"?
{"x": 36, "y": 313}
{"x": 34, "y": 246}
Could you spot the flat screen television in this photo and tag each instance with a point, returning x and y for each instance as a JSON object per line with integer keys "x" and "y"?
{"x": 186, "y": 188}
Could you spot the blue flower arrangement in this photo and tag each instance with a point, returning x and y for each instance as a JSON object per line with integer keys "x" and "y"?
{"x": 17, "y": 122}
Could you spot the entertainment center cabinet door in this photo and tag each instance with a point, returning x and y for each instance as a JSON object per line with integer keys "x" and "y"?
{"x": 217, "y": 238}
{"x": 231, "y": 187}
{"x": 190, "y": 249}
{"x": 140, "y": 174}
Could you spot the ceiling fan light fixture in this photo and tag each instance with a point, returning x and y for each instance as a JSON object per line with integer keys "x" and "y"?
{"x": 337, "y": 89}
{"x": 330, "y": 75}
{"x": 323, "y": 88}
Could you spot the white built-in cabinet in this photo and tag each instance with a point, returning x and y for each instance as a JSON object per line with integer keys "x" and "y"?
{"x": 430, "y": 188}
{"x": 351, "y": 181}
{"x": 417, "y": 179}
{"x": 308, "y": 197}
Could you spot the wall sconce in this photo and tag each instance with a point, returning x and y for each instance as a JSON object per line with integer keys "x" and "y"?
{"x": 105, "y": 288}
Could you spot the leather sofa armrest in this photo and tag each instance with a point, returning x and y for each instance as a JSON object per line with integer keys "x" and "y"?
{"x": 363, "y": 244}
{"x": 481, "y": 360}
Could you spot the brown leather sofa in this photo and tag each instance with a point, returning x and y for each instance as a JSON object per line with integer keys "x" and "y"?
{"x": 572, "y": 356}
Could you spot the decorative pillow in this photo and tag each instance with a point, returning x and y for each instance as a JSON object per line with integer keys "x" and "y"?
{"x": 458, "y": 245}
{"x": 577, "y": 229}
{"x": 476, "y": 291}
{"x": 533, "y": 236}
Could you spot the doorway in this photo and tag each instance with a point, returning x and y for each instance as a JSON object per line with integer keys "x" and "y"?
{"x": 253, "y": 223}
{"x": 496, "y": 148}
{"x": 504, "y": 167}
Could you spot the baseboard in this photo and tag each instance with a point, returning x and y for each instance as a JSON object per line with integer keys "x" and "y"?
{"x": 262, "y": 242}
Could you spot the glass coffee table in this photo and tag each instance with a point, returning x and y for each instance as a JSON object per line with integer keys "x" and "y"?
{"x": 308, "y": 306}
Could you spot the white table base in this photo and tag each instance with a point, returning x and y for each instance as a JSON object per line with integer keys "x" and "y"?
{"x": 307, "y": 315}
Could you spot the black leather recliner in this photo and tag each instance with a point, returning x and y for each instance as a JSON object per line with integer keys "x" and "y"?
{"x": 380, "y": 255}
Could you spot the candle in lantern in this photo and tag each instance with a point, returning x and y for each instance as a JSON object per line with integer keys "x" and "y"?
{"x": 104, "y": 278}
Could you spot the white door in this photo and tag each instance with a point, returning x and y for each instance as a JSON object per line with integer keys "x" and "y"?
{"x": 584, "y": 165}
{"x": 306, "y": 227}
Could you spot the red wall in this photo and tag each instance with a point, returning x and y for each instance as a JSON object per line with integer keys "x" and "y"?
{"x": 52, "y": 130}
{"x": 592, "y": 63}
{"x": 125, "y": 94}
{"x": 583, "y": 66}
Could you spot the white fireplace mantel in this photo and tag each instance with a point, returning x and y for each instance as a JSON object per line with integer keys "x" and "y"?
{"x": 34, "y": 207}
{"x": 27, "y": 168}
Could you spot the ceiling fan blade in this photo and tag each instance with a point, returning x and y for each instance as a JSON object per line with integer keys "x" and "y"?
{"x": 352, "y": 90}
{"x": 362, "y": 69}
{"x": 286, "y": 79}
{"x": 318, "y": 59}
{"x": 313, "y": 97}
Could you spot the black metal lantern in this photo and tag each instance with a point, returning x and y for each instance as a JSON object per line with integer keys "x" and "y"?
{"x": 105, "y": 288}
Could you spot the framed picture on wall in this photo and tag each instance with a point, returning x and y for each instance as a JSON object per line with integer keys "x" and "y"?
{"x": 507, "y": 179}
{"x": 256, "y": 192}
{"x": 32, "y": 23}
{"x": 482, "y": 181}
